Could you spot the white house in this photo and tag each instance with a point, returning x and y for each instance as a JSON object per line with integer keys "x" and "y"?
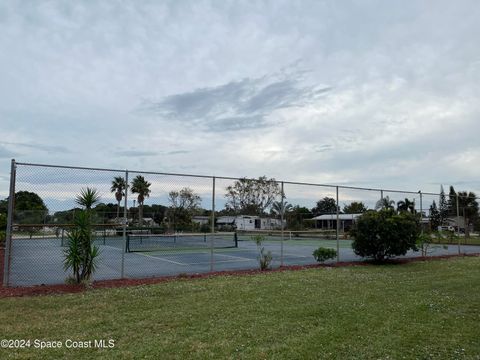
{"x": 329, "y": 221}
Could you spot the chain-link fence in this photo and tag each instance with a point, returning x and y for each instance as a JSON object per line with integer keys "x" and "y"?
{"x": 145, "y": 224}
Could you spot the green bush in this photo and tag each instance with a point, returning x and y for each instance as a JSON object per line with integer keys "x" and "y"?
{"x": 3, "y": 222}
{"x": 323, "y": 254}
{"x": 2, "y": 239}
{"x": 385, "y": 234}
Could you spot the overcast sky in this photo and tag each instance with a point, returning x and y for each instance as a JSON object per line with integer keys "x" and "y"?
{"x": 369, "y": 93}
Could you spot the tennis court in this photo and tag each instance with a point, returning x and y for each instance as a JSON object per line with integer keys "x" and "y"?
{"x": 40, "y": 260}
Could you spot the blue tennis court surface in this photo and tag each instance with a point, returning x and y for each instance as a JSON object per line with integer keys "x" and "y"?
{"x": 40, "y": 260}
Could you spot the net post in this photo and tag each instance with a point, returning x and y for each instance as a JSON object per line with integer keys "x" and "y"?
{"x": 282, "y": 209}
{"x": 124, "y": 229}
{"x": 212, "y": 230}
{"x": 8, "y": 237}
{"x": 337, "y": 226}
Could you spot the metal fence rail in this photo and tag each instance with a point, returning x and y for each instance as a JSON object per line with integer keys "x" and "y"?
{"x": 283, "y": 219}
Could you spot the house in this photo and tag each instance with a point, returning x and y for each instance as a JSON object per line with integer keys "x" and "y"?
{"x": 249, "y": 222}
{"x": 329, "y": 221}
{"x": 201, "y": 220}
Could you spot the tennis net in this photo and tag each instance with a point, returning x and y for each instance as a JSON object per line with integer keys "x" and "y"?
{"x": 155, "y": 242}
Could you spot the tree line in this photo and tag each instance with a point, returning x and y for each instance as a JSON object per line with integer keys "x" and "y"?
{"x": 258, "y": 197}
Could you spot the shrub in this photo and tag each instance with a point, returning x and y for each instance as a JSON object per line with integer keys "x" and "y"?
{"x": 264, "y": 258}
{"x": 2, "y": 239}
{"x": 385, "y": 234}
{"x": 323, "y": 254}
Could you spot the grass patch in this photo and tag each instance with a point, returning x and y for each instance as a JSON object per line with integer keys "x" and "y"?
{"x": 419, "y": 310}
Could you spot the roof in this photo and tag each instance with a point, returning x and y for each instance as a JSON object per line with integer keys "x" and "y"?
{"x": 334, "y": 217}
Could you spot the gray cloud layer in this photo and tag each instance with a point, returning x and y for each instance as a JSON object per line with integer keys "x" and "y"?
{"x": 238, "y": 105}
{"x": 375, "y": 93}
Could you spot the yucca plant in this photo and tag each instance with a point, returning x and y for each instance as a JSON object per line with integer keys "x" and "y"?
{"x": 87, "y": 198}
{"x": 81, "y": 255}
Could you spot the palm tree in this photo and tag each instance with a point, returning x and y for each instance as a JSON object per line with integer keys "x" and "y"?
{"x": 141, "y": 187}
{"x": 87, "y": 198}
{"x": 277, "y": 207}
{"x": 406, "y": 205}
{"x": 118, "y": 187}
{"x": 385, "y": 203}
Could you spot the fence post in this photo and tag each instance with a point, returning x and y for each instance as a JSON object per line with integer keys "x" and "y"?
{"x": 125, "y": 221}
{"x": 458, "y": 224}
{"x": 8, "y": 235}
{"x": 421, "y": 211}
{"x": 337, "y": 227}
{"x": 282, "y": 210}
{"x": 213, "y": 225}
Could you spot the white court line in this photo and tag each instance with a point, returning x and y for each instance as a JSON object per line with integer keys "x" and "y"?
{"x": 234, "y": 257}
{"x": 162, "y": 259}
{"x": 296, "y": 255}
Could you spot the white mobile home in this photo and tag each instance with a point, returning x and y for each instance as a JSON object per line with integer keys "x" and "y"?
{"x": 249, "y": 222}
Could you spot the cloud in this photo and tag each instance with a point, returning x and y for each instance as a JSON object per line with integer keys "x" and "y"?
{"x": 238, "y": 105}
{"x": 135, "y": 153}
{"x": 36, "y": 146}
{"x": 6, "y": 154}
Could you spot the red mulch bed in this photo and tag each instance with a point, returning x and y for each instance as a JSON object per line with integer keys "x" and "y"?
{"x": 62, "y": 289}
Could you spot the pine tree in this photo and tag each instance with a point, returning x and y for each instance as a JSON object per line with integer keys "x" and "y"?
{"x": 452, "y": 202}
{"x": 435, "y": 219}
{"x": 443, "y": 206}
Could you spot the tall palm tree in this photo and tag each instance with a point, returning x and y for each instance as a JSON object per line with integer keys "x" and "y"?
{"x": 141, "y": 187}
{"x": 87, "y": 198}
{"x": 385, "y": 203}
{"x": 281, "y": 208}
{"x": 406, "y": 205}
{"x": 118, "y": 187}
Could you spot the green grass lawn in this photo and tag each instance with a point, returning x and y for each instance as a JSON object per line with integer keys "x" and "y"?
{"x": 422, "y": 310}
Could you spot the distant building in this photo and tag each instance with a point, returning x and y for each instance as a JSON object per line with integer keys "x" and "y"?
{"x": 329, "y": 221}
{"x": 249, "y": 222}
{"x": 201, "y": 220}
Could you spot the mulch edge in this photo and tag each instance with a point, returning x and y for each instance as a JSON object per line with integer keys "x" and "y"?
{"x": 117, "y": 283}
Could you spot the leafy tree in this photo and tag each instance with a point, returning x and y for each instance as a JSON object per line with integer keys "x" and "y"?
{"x": 468, "y": 206}
{"x": 155, "y": 211}
{"x": 295, "y": 218}
{"x": 251, "y": 196}
{"x": 327, "y": 205}
{"x": 3, "y": 222}
{"x": 384, "y": 203}
{"x": 435, "y": 217}
{"x": 29, "y": 208}
{"x": 118, "y": 187}
{"x": 406, "y": 205}
{"x": 384, "y": 234}
{"x": 355, "y": 207}
{"x": 141, "y": 187}
{"x": 442, "y": 206}
{"x": 183, "y": 204}
{"x": 4, "y": 206}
